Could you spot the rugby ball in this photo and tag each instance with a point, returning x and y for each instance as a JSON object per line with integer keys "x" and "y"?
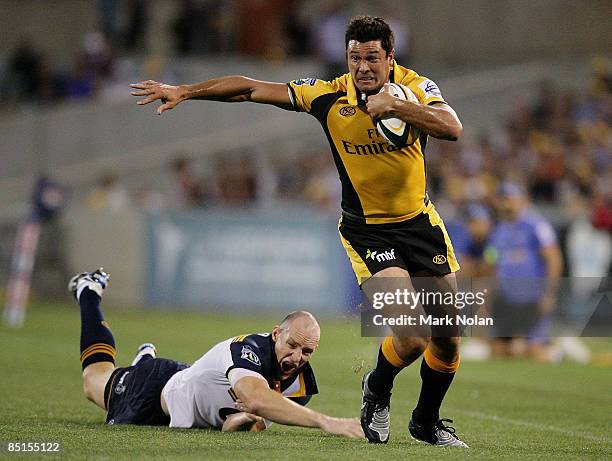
{"x": 394, "y": 130}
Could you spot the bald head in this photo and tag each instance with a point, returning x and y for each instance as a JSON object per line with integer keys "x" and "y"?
{"x": 296, "y": 338}
{"x": 301, "y": 320}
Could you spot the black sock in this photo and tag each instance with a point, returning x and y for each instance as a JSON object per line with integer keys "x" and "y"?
{"x": 381, "y": 379}
{"x": 433, "y": 389}
{"x": 97, "y": 342}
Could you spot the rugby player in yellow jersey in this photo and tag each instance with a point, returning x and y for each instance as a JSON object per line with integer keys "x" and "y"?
{"x": 389, "y": 228}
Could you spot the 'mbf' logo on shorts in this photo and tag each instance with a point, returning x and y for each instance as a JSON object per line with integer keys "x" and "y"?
{"x": 380, "y": 256}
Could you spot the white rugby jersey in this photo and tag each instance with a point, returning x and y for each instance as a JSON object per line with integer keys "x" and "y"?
{"x": 202, "y": 395}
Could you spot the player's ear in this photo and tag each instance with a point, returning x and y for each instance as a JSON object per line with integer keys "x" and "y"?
{"x": 275, "y": 333}
{"x": 391, "y": 58}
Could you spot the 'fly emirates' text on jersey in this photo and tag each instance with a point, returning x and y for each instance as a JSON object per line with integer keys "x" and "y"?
{"x": 380, "y": 182}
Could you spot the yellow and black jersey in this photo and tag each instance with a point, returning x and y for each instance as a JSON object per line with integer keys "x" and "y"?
{"x": 380, "y": 182}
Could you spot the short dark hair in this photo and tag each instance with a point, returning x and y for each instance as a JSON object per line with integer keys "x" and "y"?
{"x": 369, "y": 28}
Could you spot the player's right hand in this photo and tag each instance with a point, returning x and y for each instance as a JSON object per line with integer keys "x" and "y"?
{"x": 344, "y": 427}
{"x": 169, "y": 95}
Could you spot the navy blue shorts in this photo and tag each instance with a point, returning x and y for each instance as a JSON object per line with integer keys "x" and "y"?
{"x": 132, "y": 394}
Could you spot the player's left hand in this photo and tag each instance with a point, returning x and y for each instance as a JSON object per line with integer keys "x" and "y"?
{"x": 379, "y": 105}
{"x": 344, "y": 427}
{"x": 243, "y": 422}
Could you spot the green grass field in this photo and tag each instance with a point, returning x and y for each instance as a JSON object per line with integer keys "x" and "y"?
{"x": 502, "y": 409}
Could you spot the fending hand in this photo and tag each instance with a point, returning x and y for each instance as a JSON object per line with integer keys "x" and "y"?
{"x": 169, "y": 95}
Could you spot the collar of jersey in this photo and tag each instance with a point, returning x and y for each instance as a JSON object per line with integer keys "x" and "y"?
{"x": 276, "y": 369}
{"x": 354, "y": 95}
{"x": 352, "y": 92}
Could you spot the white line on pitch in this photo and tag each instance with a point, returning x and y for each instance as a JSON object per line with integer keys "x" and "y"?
{"x": 542, "y": 427}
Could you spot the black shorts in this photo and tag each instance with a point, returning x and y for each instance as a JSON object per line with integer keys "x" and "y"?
{"x": 420, "y": 244}
{"x": 132, "y": 394}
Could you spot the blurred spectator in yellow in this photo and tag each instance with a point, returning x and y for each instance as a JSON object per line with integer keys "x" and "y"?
{"x": 108, "y": 195}
{"x": 322, "y": 187}
{"x": 602, "y": 76}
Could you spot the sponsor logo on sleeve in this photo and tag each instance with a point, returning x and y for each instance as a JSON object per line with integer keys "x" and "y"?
{"x": 304, "y": 81}
{"x": 430, "y": 89}
{"x": 248, "y": 354}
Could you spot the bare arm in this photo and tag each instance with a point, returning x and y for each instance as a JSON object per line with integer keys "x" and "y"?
{"x": 554, "y": 267}
{"x": 224, "y": 89}
{"x": 439, "y": 120}
{"x": 257, "y": 398}
{"x": 554, "y": 261}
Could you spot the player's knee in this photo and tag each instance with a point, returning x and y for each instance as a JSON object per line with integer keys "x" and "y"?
{"x": 95, "y": 377}
{"x": 410, "y": 347}
{"x": 92, "y": 383}
{"x": 447, "y": 348}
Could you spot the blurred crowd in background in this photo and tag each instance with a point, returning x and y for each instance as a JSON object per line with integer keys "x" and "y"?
{"x": 197, "y": 28}
{"x": 558, "y": 146}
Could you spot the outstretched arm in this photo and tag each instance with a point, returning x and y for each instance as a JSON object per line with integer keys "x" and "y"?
{"x": 225, "y": 89}
{"x": 257, "y": 398}
{"x": 439, "y": 120}
{"x": 551, "y": 254}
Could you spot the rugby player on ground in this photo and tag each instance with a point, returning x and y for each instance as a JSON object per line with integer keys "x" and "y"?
{"x": 243, "y": 383}
{"x": 385, "y": 205}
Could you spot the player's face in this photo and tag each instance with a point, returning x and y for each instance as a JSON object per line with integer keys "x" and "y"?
{"x": 369, "y": 65}
{"x": 510, "y": 206}
{"x": 480, "y": 228}
{"x": 294, "y": 346}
